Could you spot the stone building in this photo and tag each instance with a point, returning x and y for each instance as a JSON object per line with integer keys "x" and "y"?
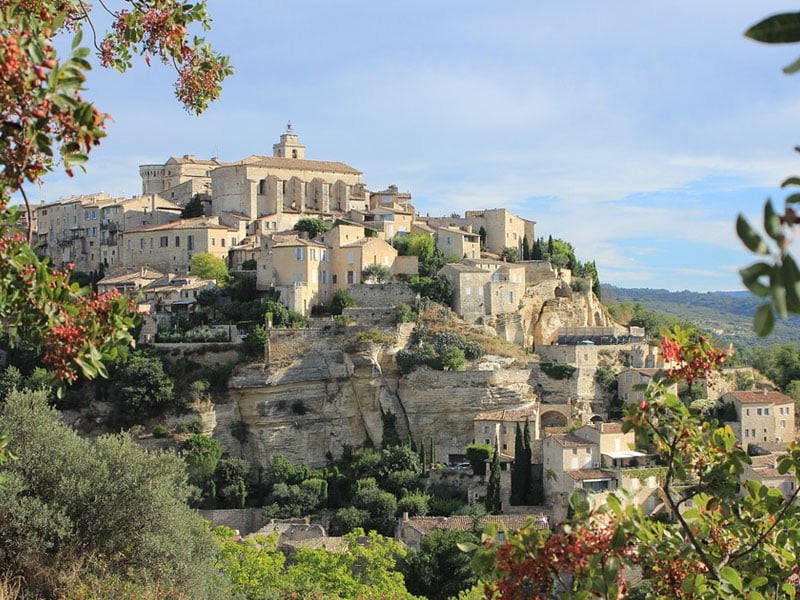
{"x": 501, "y": 425}
{"x": 485, "y": 287}
{"x": 85, "y": 230}
{"x": 170, "y": 247}
{"x": 180, "y": 178}
{"x": 286, "y": 182}
{"x": 461, "y": 243}
{"x": 503, "y": 228}
{"x": 762, "y": 416}
{"x": 628, "y": 379}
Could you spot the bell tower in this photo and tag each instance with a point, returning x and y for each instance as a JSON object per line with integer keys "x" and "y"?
{"x": 289, "y": 147}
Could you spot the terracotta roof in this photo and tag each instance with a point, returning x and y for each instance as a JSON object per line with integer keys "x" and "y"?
{"x": 195, "y": 223}
{"x": 427, "y": 525}
{"x": 760, "y": 397}
{"x": 131, "y": 275}
{"x": 570, "y": 441}
{"x": 277, "y": 162}
{"x": 296, "y": 241}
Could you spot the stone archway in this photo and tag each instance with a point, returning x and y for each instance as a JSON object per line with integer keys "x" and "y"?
{"x": 553, "y": 418}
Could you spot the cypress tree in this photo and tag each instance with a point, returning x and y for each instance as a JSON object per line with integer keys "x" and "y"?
{"x": 482, "y": 234}
{"x": 493, "y": 504}
{"x": 422, "y": 456}
{"x": 518, "y": 481}
{"x": 550, "y": 247}
{"x": 433, "y": 454}
{"x": 528, "y": 491}
{"x": 537, "y": 253}
{"x": 526, "y": 248}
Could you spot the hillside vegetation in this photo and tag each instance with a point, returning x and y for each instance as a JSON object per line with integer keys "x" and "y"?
{"x": 728, "y": 315}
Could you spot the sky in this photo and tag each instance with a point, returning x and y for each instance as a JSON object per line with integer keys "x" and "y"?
{"x": 635, "y": 130}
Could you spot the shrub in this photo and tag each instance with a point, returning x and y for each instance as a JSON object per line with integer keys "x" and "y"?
{"x": 341, "y": 299}
{"x": 160, "y": 431}
{"x": 347, "y": 519}
{"x": 447, "y": 339}
{"x": 373, "y": 336}
{"x": 404, "y": 313}
{"x": 415, "y": 504}
{"x": 453, "y": 360}
{"x": 473, "y": 350}
{"x": 477, "y": 455}
{"x": 557, "y": 370}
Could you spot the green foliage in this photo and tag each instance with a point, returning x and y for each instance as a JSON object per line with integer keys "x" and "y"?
{"x": 373, "y": 336}
{"x": 390, "y": 435}
{"x": 10, "y": 380}
{"x": 477, "y": 455}
{"x": 341, "y": 299}
{"x": 436, "y": 288}
{"x": 440, "y": 569}
{"x": 103, "y": 507}
{"x": 375, "y": 273}
{"x": 409, "y": 358}
{"x": 140, "y": 388}
{"x": 492, "y": 501}
{"x": 453, "y": 360}
{"x": 207, "y": 266}
{"x": 779, "y": 362}
{"x": 606, "y": 379}
{"x": 160, "y": 431}
{"x": 416, "y": 504}
{"x": 510, "y": 254}
{"x": 253, "y": 566}
{"x": 381, "y": 506}
{"x": 193, "y": 208}
{"x": 557, "y": 370}
{"x": 201, "y": 454}
{"x": 296, "y": 500}
{"x": 347, "y": 519}
{"x": 312, "y": 226}
{"x": 404, "y": 313}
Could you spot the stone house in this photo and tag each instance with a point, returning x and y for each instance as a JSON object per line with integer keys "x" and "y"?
{"x": 85, "y": 230}
{"x": 627, "y": 379}
{"x": 503, "y": 228}
{"x": 170, "y": 247}
{"x": 764, "y": 469}
{"x": 762, "y": 416}
{"x": 388, "y": 221}
{"x": 351, "y": 251}
{"x": 178, "y": 295}
{"x": 390, "y": 197}
{"x": 461, "y": 243}
{"x": 596, "y": 460}
{"x": 501, "y": 425}
{"x": 484, "y": 287}
{"x": 129, "y": 281}
{"x": 300, "y": 269}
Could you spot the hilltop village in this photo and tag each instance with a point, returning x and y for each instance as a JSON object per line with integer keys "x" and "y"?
{"x": 549, "y": 357}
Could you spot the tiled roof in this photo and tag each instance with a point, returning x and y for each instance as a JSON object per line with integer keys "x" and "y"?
{"x": 195, "y": 223}
{"x": 570, "y": 441}
{"x": 277, "y": 162}
{"x": 296, "y": 241}
{"x": 427, "y": 525}
{"x": 762, "y": 397}
{"x": 585, "y": 474}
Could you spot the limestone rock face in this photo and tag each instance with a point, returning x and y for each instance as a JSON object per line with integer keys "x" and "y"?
{"x": 551, "y": 305}
{"x": 332, "y": 394}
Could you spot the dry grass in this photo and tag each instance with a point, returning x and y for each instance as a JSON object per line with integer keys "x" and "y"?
{"x": 10, "y": 589}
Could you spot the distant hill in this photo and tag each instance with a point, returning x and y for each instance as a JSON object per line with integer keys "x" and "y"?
{"x": 729, "y": 315}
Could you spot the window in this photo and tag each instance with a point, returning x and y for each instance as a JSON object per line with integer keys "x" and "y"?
{"x": 485, "y": 429}
{"x": 510, "y": 297}
{"x": 313, "y": 254}
{"x": 350, "y": 258}
{"x": 190, "y": 242}
{"x": 164, "y": 242}
{"x": 177, "y": 241}
{"x": 351, "y": 277}
{"x": 324, "y": 277}
{"x": 747, "y": 433}
{"x": 299, "y": 253}
{"x": 766, "y": 411}
{"x": 222, "y": 242}
{"x": 141, "y": 244}
{"x": 334, "y": 278}
{"x": 783, "y": 423}
{"x": 758, "y": 412}
{"x": 449, "y": 240}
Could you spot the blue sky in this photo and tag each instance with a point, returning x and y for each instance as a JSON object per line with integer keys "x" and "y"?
{"x": 634, "y": 130}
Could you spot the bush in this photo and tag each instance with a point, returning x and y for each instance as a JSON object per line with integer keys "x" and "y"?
{"x": 415, "y": 504}
{"x": 160, "y": 431}
{"x": 347, "y": 519}
{"x": 341, "y": 299}
{"x": 404, "y": 313}
{"x": 373, "y": 336}
{"x": 445, "y": 340}
{"x": 477, "y": 455}
{"x": 453, "y": 360}
{"x": 557, "y": 370}
{"x": 473, "y": 350}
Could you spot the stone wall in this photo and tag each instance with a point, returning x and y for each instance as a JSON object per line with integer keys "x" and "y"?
{"x": 207, "y": 354}
{"x": 537, "y": 271}
{"x": 246, "y": 520}
{"x": 382, "y": 294}
{"x": 373, "y": 315}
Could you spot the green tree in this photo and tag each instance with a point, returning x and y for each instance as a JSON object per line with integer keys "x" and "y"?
{"x": 437, "y": 288}
{"x": 453, "y": 359}
{"x": 193, "y": 208}
{"x": 312, "y": 226}
{"x": 376, "y": 273}
{"x": 482, "y": 235}
{"x": 510, "y": 254}
{"x": 82, "y": 509}
{"x": 440, "y": 570}
{"x": 492, "y": 503}
{"x": 140, "y": 388}
{"x": 519, "y": 478}
{"x": 201, "y": 454}
{"x": 341, "y": 299}
{"x": 207, "y": 266}
{"x": 477, "y": 455}
{"x": 253, "y": 566}
{"x": 48, "y": 126}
